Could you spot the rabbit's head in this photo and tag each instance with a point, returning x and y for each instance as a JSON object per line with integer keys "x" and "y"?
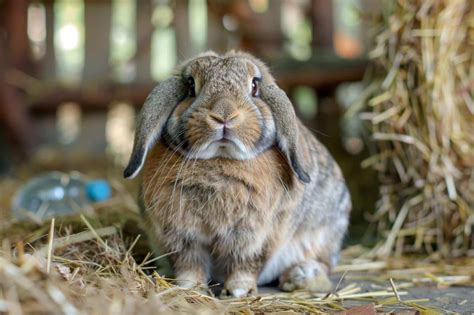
{"x": 218, "y": 106}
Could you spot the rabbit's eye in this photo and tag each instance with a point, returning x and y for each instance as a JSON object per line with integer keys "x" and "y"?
{"x": 192, "y": 87}
{"x": 255, "y": 90}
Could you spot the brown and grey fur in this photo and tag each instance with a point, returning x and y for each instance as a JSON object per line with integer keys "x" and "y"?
{"x": 267, "y": 203}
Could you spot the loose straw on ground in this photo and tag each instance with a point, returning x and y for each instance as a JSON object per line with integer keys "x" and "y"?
{"x": 50, "y": 246}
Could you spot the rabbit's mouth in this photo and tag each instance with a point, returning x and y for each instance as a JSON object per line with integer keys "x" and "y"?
{"x": 224, "y": 141}
{"x": 224, "y": 146}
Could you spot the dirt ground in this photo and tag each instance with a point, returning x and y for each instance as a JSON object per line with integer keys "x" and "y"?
{"x": 448, "y": 300}
{"x": 456, "y": 299}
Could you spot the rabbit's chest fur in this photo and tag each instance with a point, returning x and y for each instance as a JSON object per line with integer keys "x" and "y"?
{"x": 226, "y": 204}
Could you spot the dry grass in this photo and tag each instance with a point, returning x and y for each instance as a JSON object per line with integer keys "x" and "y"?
{"x": 99, "y": 264}
{"x": 421, "y": 114}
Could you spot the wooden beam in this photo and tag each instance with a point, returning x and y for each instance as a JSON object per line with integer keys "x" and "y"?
{"x": 91, "y": 98}
{"x": 181, "y": 27}
{"x": 97, "y": 24}
{"x": 48, "y": 63}
{"x": 144, "y": 35}
{"x": 15, "y": 23}
{"x": 323, "y": 24}
{"x": 323, "y": 76}
{"x": 323, "y": 72}
{"x": 14, "y": 117}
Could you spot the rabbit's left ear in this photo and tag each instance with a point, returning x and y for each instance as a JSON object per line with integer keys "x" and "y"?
{"x": 155, "y": 112}
{"x": 286, "y": 126}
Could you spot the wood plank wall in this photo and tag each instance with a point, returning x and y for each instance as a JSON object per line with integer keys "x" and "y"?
{"x": 98, "y": 89}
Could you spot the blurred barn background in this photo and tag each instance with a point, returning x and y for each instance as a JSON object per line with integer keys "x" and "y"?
{"x": 74, "y": 72}
{"x": 387, "y": 86}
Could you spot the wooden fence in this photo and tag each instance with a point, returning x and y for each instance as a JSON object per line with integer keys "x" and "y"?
{"x": 30, "y": 86}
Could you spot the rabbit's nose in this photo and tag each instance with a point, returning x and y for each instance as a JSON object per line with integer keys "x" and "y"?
{"x": 224, "y": 112}
{"x": 226, "y": 120}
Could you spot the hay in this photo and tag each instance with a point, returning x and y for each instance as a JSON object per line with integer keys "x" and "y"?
{"x": 95, "y": 272}
{"x": 421, "y": 115}
{"x": 100, "y": 264}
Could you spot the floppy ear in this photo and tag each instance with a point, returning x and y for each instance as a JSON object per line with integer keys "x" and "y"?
{"x": 153, "y": 116}
{"x": 286, "y": 126}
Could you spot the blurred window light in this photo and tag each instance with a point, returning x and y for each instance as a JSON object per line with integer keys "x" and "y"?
{"x": 290, "y": 14}
{"x": 198, "y": 24}
{"x": 163, "y": 53}
{"x": 69, "y": 39}
{"x": 347, "y": 46}
{"x": 306, "y": 101}
{"x": 349, "y": 93}
{"x": 347, "y": 29}
{"x": 353, "y": 145}
{"x": 230, "y": 23}
{"x": 297, "y": 28}
{"x": 259, "y": 6}
{"x": 162, "y": 16}
{"x": 68, "y": 122}
{"x": 347, "y": 96}
{"x": 36, "y": 29}
{"x": 163, "y": 42}
{"x": 119, "y": 131}
{"x": 123, "y": 45}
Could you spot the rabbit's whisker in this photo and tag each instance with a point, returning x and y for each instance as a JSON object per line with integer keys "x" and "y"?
{"x": 187, "y": 161}
{"x": 162, "y": 167}
{"x": 168, "y": 157}
{"x": 170, "y": 154}
{"x": 178, "y": 178}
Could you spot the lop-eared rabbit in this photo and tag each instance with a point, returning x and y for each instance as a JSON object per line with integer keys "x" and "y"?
{"x": 234, "y": 185}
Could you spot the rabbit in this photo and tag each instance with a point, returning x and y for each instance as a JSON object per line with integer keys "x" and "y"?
{"x": 234, "y": 186}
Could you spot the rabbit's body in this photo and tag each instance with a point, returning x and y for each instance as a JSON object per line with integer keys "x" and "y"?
{"x": 224, "y": 192}
{"x": 230, "y": 210}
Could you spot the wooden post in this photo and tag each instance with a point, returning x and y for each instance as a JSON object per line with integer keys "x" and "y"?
{"x": 181, "y": 27}
{"x": 323, "y": 26}
{"x": 144, "y": 34}
{"x": 15, "y": 21}
{"x": 13, "y": 111}
{"x": 48, "y": 66}
{"x": 97, "y": 40}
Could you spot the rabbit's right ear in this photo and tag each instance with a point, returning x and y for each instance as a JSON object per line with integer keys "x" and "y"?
{"x": 286, "y": 126}
{"x": 155, "y": 112}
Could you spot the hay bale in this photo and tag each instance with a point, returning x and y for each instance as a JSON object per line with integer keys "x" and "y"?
{"x": 421, "y": 118}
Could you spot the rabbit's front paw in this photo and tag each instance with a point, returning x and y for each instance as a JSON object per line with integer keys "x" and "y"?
{"x": 240, "y": 284}
{"x": 309, "y": 275}
{"x": 190, "y": 279}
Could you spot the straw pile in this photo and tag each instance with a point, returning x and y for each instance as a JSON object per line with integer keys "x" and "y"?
{"x": 99, "y": 263}
{"x": 420, "y": 110}
{"x": 74, "y": 270}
